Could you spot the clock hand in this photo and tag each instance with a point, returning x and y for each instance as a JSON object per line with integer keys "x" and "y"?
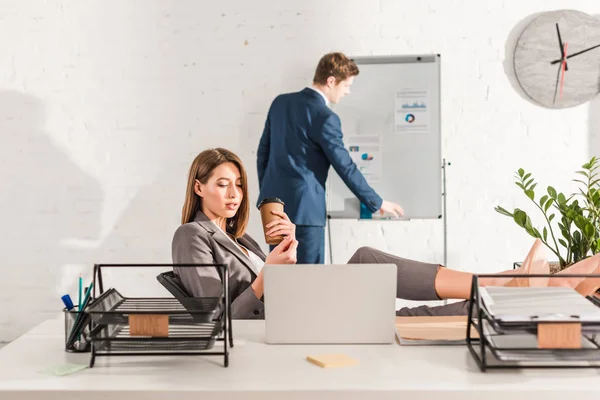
{"x": 560, "y": 78}
{"x": 557, "y": 83}
{"x": 560, "y": 44}
{"x": 576, "y": 54}
{"x": 564, "y": 68}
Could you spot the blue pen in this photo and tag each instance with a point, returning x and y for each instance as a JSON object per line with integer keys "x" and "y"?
{"x": 67, "y": 302}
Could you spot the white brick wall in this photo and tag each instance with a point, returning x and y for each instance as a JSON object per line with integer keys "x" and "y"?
{"x": 103, "y": 104}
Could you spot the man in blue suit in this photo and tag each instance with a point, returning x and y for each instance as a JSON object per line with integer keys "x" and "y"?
{"x": 301, "y": 139}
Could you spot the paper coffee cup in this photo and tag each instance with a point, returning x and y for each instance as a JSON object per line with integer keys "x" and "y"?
{"x": 266, "y": 206}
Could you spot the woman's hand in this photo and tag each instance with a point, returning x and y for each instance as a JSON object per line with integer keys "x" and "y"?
{"x": 281, "y": 226}
{"x": 284, "y": 252}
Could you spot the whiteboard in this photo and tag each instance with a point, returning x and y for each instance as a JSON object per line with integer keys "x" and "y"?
{"x": 391, "y": 126}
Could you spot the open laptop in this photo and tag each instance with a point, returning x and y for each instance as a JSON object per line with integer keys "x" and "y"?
{"x": 350, "y": 303}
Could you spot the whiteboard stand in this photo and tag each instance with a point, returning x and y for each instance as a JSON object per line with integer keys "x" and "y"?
{"x": 445, "y": 216}
{"x": 444, "y": 197}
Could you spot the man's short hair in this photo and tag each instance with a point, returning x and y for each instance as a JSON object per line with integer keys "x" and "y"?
{"x": 337, "y": 65}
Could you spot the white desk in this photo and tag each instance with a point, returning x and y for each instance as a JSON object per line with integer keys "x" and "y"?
{"x": 264, "y": 372}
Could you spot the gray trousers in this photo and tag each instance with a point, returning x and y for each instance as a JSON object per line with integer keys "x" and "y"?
{"x": 415, "y": 281}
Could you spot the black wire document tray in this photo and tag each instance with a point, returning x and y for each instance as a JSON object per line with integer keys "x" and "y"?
{"x": 181, "y": 325}
{"x": 112, "y": 308}
{"x": 532, "y": 327}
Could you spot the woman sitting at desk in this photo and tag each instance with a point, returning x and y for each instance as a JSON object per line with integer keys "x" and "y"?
{"x": 214, "y": 219}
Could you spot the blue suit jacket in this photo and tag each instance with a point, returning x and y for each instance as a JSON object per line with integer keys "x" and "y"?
{"x": 301, "y": 139}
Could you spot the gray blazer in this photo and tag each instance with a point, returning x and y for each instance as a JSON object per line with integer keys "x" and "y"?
{"x": 201, "y": 242}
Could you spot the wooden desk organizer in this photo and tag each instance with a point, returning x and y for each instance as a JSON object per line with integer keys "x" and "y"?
{"x": 153, "y": 325}
{"x": 559, "y": 335}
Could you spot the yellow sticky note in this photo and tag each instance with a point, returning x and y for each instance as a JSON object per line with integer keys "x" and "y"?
{"x": 332, "y": 360}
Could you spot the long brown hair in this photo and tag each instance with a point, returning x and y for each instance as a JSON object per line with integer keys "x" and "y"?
{"x": 202, "y": 168}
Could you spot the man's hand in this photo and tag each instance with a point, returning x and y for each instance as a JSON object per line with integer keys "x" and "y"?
{"x": 391, "y": 208}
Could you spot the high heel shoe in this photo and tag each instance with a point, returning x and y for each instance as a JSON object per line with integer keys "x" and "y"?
{"x": 534, "y": 263}
{"x": 586, "y": 286}
{"x": 585, "y": 266}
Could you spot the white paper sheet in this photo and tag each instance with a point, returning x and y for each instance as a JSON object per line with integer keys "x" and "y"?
{"x": 366, "y": 153}
{"x": 412, "y": 111}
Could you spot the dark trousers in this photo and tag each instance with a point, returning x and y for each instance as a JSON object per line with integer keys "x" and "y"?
{"x": 415, "y": 281}
{"x": 311, "y": 244}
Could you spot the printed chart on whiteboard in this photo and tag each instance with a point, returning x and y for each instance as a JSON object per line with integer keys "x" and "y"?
{"x": 365, "y": 151}
{"x": 412, "y": 111}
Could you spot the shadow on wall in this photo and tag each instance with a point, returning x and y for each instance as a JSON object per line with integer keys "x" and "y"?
{"x": 509, "y": 53}
{"x": 142, "y": 235}
{"x": 45, "y": 199}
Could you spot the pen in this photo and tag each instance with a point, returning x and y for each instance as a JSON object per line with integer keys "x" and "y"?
{"x": 80, "y": 292}
{"x": 86, "y": 298}
{"x": 81, "y": 319}
{"x": 67, "y": 302}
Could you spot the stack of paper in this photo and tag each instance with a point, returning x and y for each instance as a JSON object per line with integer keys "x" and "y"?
{"x": 523, "y": 347}
{"x": 433, "y": 330}
{"x": 518, "y": 310}
{"x": 519, "y": 304}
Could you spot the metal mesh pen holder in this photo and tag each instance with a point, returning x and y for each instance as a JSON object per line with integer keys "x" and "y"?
{"x": 77, "y": 331}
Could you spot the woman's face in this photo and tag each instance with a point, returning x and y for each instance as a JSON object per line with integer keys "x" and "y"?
{"x": 222, "y": 194}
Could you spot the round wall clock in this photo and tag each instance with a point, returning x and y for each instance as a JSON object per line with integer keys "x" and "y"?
{"x": 557, "y": 58}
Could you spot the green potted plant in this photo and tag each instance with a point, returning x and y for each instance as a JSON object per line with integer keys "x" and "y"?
{"x": 575, "y": 234}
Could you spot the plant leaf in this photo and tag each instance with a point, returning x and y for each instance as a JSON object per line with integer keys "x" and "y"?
{"x": 530, "y": 194}
{"x": 503, "y": 211}
{"x": 563, "y": 243}
{"x": 552, "y": 192}
{"x": 548, "y": 204}
{"x": 588, "y": 230}
{"x": 528, "y": 183}
{"x": 520, "y": 217}
{"x": 545, "y": 234}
